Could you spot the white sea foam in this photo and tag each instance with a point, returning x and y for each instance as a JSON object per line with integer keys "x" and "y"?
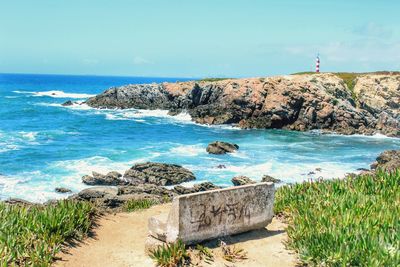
{"x": 374, "y": 136}
{"x": 56, "y": 94}
{"x": 99, "y": 164}
{"x": 188, "y": 150}
{"x": 30, "y": 136}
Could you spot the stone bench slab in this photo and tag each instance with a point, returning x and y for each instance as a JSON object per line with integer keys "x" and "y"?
{"x": 207, "y": 215}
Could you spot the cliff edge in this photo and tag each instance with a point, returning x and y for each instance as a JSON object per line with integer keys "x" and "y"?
{"x": 295, "y": 102}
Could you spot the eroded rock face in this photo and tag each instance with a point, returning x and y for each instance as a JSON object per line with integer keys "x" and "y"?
{"x": 388, "y": 160}
{"x": 158, "y": 173}
{"x": 219, "y": 147}
{"x": 241, "y": 180}
{"x": 295, "y": 102}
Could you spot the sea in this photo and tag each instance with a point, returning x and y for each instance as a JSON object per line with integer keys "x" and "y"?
{"x": 44, "y": 145}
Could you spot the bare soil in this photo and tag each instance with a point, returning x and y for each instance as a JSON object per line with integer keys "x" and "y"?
{"x": 118, "y": 240}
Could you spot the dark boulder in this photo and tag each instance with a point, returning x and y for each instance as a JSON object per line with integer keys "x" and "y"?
{"x": 98, "y": 192}
{"x": 67, "y": 103}
{"x": 111, "y": 178}
{"x": 150, "y": 189}
{"x": 158, "y": 173}
{"x": 242, "y": 180}
{"x": 219, "y": 147}
{"x": 62, "y": 190}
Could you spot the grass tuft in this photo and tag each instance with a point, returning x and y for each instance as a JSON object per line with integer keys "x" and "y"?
{"x": 139, "y": 204}
{"x": 232, "y": 253}
{"x": 347, "y": 222}
{"x": 31, "y": 236}
{"x": 204, "y": 253}
{"x": 170, "y": 255}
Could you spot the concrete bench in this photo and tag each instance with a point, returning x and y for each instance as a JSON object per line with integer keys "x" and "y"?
{"x": 207, "y": 215}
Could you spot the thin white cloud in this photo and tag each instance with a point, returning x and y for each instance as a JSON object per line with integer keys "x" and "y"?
{"x": 89, "y": 61}
{"x": 141, "y": 61}
{"x": 372, "y": 30}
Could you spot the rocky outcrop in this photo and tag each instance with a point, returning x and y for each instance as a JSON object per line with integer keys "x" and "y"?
{"x": 219, "y": 147}
{"x": 158, "y": 173}
{"x": 267, "y": 178}
{"x": 242, "y": 180}
{"x": 113, "y": 198}
{"x": 295, "y": 102}
{"x": 388, "y": 160}
{"x": 67, "y": 103}
{"x": 205, "y": 186}
{"x": 111, "y": 178}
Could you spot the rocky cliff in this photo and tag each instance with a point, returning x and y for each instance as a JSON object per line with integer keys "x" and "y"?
{"x": 295, "y": 102}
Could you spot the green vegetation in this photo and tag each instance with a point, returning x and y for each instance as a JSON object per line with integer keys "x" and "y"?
{"x": 170, "y": 255}
{"x": 349, "y": 78}
{"x": 31, "y": 236}
{"x": 348, "y": 222}
{"x": 139, "y": 204}
{"x": 213, "y": 79}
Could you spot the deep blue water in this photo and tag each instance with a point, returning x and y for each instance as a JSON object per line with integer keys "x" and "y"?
{"x": 44, "y": 145}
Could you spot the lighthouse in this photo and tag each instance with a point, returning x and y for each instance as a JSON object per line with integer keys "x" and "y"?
{"x": 317, "y": 64}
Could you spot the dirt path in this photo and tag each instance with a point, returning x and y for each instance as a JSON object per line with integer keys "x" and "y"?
{"x": 119, "y": 241}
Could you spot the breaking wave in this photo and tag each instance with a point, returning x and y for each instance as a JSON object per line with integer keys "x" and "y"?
{"x": 56, "y": 94}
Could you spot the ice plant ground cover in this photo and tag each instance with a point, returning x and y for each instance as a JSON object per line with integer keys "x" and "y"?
{"x": 32, "y": 235}
{"x": 344, "y": 222}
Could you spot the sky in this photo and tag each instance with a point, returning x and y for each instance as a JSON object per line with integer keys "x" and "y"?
{"x": 207, "y": 38}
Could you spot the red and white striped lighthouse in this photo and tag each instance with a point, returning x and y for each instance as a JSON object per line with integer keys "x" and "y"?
{"x": 317, "y": 64}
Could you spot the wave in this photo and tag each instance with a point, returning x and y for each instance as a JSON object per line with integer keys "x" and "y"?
{"x": 8, "y": 147}
{"x": 56, "y": 94}
{"x": 128, "y": 114}
{"x": 188, "y": 150}
{"x": 287, "y": 172}
{"x": 374, "y": 136}
{"x": 30, "y": 136}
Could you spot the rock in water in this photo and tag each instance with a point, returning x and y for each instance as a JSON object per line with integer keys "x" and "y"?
{"x": 219, "y": 147}
{"x": 62, "y": 190}
{"x": 67, "y": 103}
{"x": 158, "y": 173}
{"x": 267, "y": 178}
{"x": 242, "y": 180}
{"x": 111, "y": 178}
{"x": 388, "y": 160}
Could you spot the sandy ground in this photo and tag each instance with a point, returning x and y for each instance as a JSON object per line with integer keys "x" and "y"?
{"x": 119, "y": 239}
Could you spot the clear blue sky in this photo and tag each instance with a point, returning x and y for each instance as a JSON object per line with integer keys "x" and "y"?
{"x": 206, "y": 38}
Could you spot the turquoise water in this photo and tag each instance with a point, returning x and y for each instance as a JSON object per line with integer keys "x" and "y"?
{"x": 44, "y": 145}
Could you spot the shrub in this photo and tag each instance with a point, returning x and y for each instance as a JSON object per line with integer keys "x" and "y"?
{"x": 139, "y": 204}
{"x": 33, "y": 235}
{"x": 170, "y": 255}
{"x": 348, "y": 222}
{"x": 213, "y": 79}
